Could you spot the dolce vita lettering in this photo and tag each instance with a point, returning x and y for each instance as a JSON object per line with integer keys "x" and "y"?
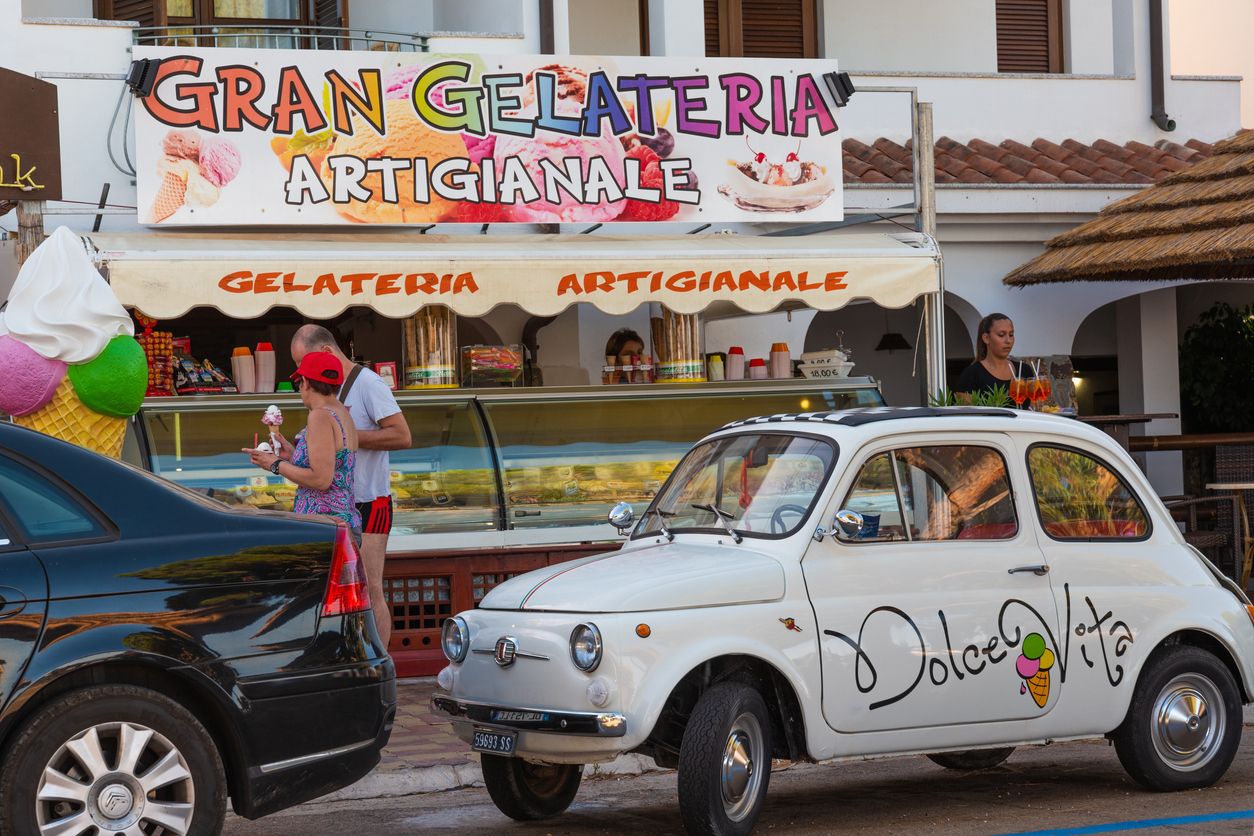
{"x": 23, "y": 179}
{"x": 353, "y": 284}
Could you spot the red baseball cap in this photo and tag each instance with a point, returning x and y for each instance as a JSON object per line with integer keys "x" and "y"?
{"x": 322, "y": 366}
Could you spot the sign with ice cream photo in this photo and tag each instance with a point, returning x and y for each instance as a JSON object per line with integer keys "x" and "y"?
{"x": 253, "y": 137}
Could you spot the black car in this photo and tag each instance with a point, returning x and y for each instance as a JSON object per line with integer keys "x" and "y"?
{"x": 160, "y": 652}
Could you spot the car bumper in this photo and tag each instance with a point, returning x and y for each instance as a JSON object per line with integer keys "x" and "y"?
{"x": 595, "y": 724}
{"x": 352, "y": 711}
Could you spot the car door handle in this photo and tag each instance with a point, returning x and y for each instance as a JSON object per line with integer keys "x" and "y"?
{"x": 1039, "y": 569}
{"x": 12, "y": 601}
{"x": 521, "y": 513}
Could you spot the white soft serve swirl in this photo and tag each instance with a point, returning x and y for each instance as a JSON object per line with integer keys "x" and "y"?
{"x": 60, "y": 305}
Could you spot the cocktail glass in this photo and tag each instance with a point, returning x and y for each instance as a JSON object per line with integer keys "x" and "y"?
{"x": 1018, "y": 391}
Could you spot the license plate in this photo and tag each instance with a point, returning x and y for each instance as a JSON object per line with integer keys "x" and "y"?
{"x": 494, "y": 742}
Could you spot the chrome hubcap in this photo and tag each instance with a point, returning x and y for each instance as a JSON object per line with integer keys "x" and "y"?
{"x": 1189, "y": 722}
{"x": 741, "y": 773}
{"x": 115, "y": 778}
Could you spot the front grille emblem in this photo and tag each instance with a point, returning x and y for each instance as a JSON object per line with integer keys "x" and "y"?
{"x": 506, "y": 650}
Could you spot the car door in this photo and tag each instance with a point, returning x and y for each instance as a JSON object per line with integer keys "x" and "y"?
{"x": 939, "y": 611}
{"x": 30, "y": 506}
{"x": 1105, "y": 564}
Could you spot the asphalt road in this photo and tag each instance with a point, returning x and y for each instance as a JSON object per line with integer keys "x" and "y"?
{"x": 1058, "y": 788}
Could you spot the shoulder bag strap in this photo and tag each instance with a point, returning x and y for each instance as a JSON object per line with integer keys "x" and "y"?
{"x": 348, "y": 384}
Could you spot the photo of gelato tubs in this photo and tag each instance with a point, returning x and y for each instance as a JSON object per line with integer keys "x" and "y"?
{"x": 759, "y": 185}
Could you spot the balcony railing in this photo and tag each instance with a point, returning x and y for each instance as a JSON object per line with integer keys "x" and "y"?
{"x": 280, "y": 37}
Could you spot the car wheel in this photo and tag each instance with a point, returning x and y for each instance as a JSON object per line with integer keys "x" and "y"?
{"x": 971, "y": 758}
{"x": 527, "y": 791}
{"x": 112, "y": 759}
{"x": 725, "y": 761}
{"x": 1184, "y": 724}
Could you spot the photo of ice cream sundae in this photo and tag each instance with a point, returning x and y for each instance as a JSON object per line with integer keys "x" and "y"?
{"x": 193, "y": 169}
{"x": 791, "y": 185}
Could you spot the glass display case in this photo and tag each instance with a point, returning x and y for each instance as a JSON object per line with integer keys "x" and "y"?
{"x": 488, "y": 468}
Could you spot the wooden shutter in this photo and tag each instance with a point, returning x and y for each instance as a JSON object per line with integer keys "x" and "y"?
{"x": 147, "y": 12}
{"x": 779, "y": 29}
{"x": 329, "y": 13}
{"x": 762, "y": 28}
{"x": 1029, "y": 36}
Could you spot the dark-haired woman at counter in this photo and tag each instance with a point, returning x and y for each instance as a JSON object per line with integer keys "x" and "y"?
{"x": 995, "y": 339}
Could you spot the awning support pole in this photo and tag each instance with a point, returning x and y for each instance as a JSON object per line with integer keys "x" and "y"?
{"x": 30, "y": 228}
{"x": 925, "y": 188}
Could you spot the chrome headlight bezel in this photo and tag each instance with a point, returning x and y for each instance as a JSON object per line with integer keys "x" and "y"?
{"x": 584, "y": 636}
{"x": 455, "y": 629}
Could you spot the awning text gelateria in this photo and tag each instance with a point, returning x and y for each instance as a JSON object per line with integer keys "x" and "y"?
{"x": 166, "y": 275}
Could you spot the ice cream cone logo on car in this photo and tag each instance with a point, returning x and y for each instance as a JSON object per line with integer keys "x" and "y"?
{"x": 1033, "y": 666}
{"x": 70, "y": 366}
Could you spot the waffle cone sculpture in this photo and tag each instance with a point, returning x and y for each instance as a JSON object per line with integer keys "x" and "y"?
{"x": 70, "y": 365}
{"x": 67, "y": 418}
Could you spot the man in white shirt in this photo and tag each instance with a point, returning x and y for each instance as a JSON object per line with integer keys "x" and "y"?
{"x": 380, "y": 427}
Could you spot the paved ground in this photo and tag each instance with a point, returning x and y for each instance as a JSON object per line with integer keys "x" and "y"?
{"x": 1073, "y": 787}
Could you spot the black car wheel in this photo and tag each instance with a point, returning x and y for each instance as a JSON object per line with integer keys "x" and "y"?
{"x": 112, "y": 759}
{"x": 1184, "y": 724}
{"x": 527, "y": 791}
{"x": 725, "y": 761}
{"x": 971, "y": 758}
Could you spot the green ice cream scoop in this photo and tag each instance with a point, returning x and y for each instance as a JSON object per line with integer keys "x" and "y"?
{"x": 115, "y": 381}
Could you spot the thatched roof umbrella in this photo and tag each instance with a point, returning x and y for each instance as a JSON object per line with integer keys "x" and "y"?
{"x": 1195, "y": 224}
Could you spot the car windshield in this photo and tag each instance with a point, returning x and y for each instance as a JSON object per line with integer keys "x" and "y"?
{"x": 760, "y": 485}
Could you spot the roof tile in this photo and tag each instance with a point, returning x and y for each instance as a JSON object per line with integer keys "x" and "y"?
{"x": 1044, "y": 161}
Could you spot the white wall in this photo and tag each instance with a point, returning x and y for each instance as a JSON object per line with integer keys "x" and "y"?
{"x": 56, "y": 8}
{"x": 911, "y": 35}
{"x": 1213, "y": 37}
{"x": 479, "y": 15}
{"x": 676, "y": 27}
{"x": 1088, "y": 39}
{"x": 600, "y": 27}
{"x": 390, "y": 16}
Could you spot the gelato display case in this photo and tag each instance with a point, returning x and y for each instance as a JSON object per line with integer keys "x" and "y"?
{"x": 496, "y": 481}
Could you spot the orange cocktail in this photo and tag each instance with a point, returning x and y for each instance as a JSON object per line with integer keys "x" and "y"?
{"x": 1018, "y": 391}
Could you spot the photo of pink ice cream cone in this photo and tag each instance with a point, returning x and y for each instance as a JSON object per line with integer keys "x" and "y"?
{"x": 193, "y": 170}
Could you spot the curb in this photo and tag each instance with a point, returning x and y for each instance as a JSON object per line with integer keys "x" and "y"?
{"x": 427, "y": 779}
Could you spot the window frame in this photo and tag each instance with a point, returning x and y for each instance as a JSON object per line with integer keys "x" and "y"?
{"x": 1036, "y": 503}
{"x": 756, "y": 535}
{"x": 108, "y": 531}
{"x": 1054, "y": 34}
{"x": 891, "y": 451}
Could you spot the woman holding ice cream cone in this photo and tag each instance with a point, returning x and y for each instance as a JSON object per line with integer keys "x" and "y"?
{"x": 322, "y": 461}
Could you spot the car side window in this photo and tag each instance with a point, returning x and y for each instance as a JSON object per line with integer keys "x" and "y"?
{"x": 42, "y": 511}
{"x": 1081, "y": 498}
{"x": 946, "y": 492}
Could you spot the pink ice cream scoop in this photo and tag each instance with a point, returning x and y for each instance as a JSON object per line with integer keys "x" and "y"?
{"x": 400, "y": 83}
{"x": 183, "y": 145}
{"x": 557, "y": 148}
{"x": 219, "y": 161}
{"x": 30, "y": 379}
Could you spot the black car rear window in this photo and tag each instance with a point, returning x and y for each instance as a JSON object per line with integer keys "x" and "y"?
{"x": 42, "y": 511}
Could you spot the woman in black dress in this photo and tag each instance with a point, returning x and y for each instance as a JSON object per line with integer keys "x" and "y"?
{"x": 992, "y": 367}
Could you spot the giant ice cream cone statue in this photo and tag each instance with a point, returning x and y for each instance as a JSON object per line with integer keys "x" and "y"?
{"x": 70, "y": 366}
{"x": 1033, "y": 666}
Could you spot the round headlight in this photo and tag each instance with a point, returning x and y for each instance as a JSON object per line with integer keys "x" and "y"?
{"x": 455, "y": 639}
{"x": 585, "y": 647}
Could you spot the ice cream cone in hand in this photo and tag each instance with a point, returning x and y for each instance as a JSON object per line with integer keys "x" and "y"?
{"x": 67, "y": 418}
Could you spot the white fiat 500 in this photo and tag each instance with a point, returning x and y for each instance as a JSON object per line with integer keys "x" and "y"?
{"x": 955, "y": 582}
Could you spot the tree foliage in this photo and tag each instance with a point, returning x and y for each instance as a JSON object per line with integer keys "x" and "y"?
{"x": 1216, "y": 366}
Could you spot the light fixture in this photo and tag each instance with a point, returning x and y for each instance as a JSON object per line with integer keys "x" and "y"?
{"x": 892, "y": 340}
{"x": 142, "y": 75}
{"x": 840, "y": 86}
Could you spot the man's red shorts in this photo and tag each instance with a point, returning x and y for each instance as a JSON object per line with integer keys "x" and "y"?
{"x": 376, "y": 516}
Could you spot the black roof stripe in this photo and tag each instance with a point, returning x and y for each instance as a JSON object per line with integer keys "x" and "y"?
{"x": 875, "y": 414}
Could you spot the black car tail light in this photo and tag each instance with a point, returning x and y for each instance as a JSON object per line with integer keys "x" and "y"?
{"x": 346, "y": 589}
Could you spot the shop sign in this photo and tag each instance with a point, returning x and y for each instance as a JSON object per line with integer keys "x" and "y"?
{"x": 30, "y": 148}
{"x": 299, "y": 137}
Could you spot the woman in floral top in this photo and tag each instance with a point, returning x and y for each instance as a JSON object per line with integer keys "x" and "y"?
{"x": 321, "y": 463}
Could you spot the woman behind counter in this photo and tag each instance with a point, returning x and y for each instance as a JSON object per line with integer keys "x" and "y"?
{"x": 321, "y": 464}
{"x": 995, "y": 339}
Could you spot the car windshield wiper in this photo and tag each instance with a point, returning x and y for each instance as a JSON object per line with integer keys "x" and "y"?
{"x": 661, "y": 522}
{"x": 723, "y": 517}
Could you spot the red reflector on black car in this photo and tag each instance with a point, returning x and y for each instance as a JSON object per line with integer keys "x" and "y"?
{"x": 346, "y": 588}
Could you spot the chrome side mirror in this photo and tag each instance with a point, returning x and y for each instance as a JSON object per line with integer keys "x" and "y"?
{"x": 850, "y": 522}
{"x": 622, "y": 516}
